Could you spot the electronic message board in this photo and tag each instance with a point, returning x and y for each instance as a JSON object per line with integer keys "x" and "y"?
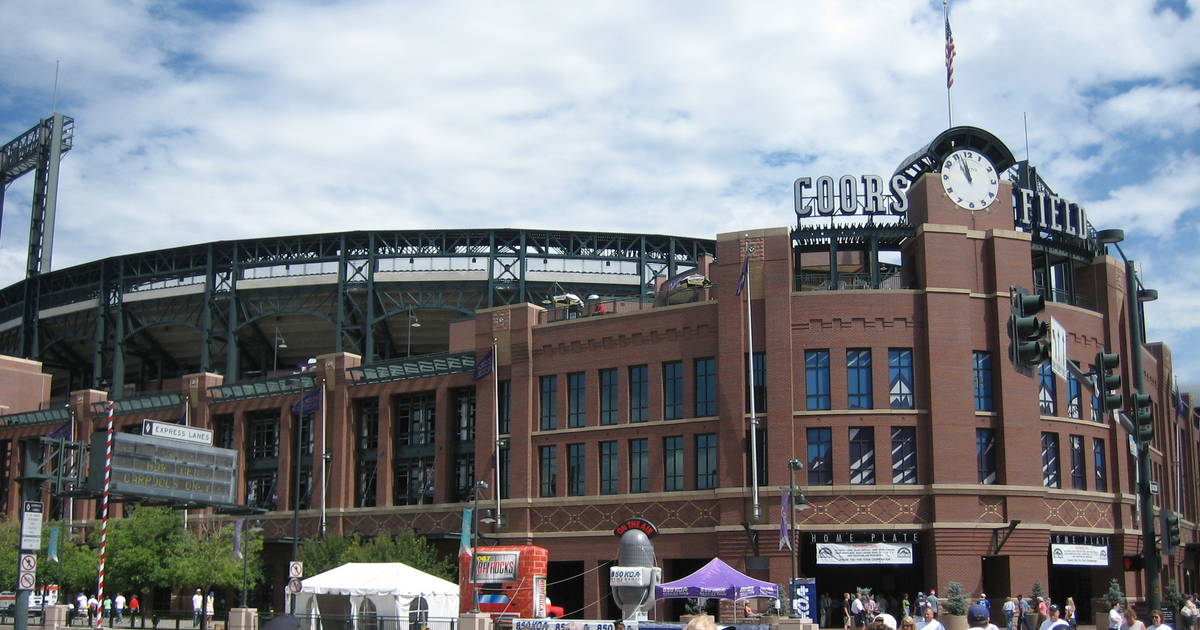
{"x": 165, "y": 469}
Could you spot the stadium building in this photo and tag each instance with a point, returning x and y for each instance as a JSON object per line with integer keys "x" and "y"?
{"x": 856, "y": 364}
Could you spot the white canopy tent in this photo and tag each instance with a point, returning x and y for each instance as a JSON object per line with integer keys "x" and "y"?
{"x": 378, "y": 596}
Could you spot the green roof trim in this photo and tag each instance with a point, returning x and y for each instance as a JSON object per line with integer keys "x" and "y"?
{"x": 135, "y": 404}
{"x": 59, "y": 414}
{"x": 263, "y": 388}
{"x": 414, "y": 367}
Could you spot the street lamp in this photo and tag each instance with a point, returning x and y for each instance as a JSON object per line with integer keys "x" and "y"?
{"x": 1136, "y": 294}
{"x": 798, "y": 502}
{"x": 279, "y": 343}
{"x": 413, "y": 322}
{"x": 479, "y": 487}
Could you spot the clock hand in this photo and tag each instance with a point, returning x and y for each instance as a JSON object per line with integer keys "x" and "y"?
{"x": 966, "y": 171}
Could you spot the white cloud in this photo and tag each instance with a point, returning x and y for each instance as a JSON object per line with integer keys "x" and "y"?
{"x": 298, "y": 117}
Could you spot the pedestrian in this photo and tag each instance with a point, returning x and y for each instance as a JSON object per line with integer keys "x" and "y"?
{"x": 978, "y": 616}
{"x": 826, "y": 608}
{"x": 1189, "y": 613}
{"x": 922, "y": 603}
{"x": 197, "y": 607}
{"x": 210, "y": 605}
{"x": 135, "y": 609}
{"x": 932, "y": 600}
{"x": 81, "y": 604}
{"x": 929, "y": 622}
{"x": 905, "y": 607}
{"x": 93, "y": 610}
{"x": 1114, "y": 617}
{"x": 1130, "y": 620}
{"x": 858, "y": 611}
{"x": 1043, "y": 610}
{"x": 1010, "y": 613}
{"x": 1054, "y": 619}
{"x": 1156, "y": 621}
{"x": 846, "y": 605}
{"x": 1069, "y": 612}
{"x": 983, "y": 600}
{"x": 1026, "y": 609}
{"x": 119, "y": 608}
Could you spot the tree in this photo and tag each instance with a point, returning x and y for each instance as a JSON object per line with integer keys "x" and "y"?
{"x": 1114, "y": 595}
{"x": 956, "y": 599}
{"x": 1173, "y": 598}
{"x": 143, "y": 548}
{"x": 407, "y": 547}
{"x": 1038, "y": 591}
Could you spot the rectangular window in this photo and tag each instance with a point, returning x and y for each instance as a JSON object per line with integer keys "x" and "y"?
{"x": 415, "y": 419}
{"x": 904, "y": 455}
{"x": 608, "y": 396}
{"x": 672, "y": 373}
{"x": 504, "y": 403}
{"x": 639, "y": 465}
{"x": 222, "y": 430}
{"x": 820, "y": 457}
{"x": 983, "y": 381}
{"x": 366, "y": 455}
{"x": 706, "y": 386}
{"x": 900, "y": 378}
{"x": 760, "y": 384}
{"x": 548, "y": 466}
{"x": 1097, "y": 416}
{"x": 576, "y": 392}
{"x": 1074, "y": 396}
{"x": 706, "y": 461}
{"x": 858, "y": 379}
{"x": 862, "y": 456}
{"x": 1050, "y": 473}
{"x": 505, "y": 460}
{"x": 464, "y": 476}
{"x": 816, "y": 376}
{"x": 464, "y": 411}
{"x": 985, "y": 455}
{"x": 608, "y": 467}
{"x": 1078, "y": 480}
{"x": 760, "y": 442}
{"x": 264, "y": 434}
{"x": 639, "y": 393}
{"x": 548, "y": 397}
{"x": 1046, "y": 390}
{"x": 1100, "y": 466}
{"x": 673, "y": 462}
{"x": 576, "y": 460}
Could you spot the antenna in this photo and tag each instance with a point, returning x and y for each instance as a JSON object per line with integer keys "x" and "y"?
{"x": 1025, "y": 117}
{"x": 54, "y": 95}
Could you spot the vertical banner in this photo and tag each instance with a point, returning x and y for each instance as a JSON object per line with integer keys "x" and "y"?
{"x": 804, "y": 597}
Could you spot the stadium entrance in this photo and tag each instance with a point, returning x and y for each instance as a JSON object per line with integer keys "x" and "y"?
{"x": 887, "y": 562}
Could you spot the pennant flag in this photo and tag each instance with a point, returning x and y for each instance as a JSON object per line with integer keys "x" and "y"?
{"x": 310, "y": 402}
{"x": 1180, "y": 405}
{"x": 483, "y": 365}
{"x": 237, "y": 538}
{"x": 950, "y": 54}
{"x": 785, "y": 521}
{"x": 52, "y": 548}
{"x": 63, "y": 431}
{"x": 464, "y": 540}
{"x": 741, "y": 286}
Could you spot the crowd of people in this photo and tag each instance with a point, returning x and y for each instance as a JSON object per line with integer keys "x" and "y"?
{"x": 861, "y": 611}
{"x": 113, "y": 610}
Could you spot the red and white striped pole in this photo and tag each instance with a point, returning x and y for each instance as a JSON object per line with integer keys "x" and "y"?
{"x": 108, "y": 449}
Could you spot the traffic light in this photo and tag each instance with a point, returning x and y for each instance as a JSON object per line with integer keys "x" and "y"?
{"x": 1170, "y": 531}
{"x": 1108, "y": 383}
{"x": 1132, "y": 563}
{"x": 1143, "y": 417}
{"x": 1027, "y": 334}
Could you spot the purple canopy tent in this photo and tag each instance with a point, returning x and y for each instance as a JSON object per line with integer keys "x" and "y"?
{"x": 718, "y": 580}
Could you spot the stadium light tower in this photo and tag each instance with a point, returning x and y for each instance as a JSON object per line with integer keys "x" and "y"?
{"x": 1136, "y": 294}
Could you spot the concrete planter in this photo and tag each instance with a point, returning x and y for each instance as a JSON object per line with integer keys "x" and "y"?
{"x": 953, "y": 622}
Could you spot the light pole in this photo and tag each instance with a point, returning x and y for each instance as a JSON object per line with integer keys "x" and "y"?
{"x": 480, "y": 486}
{"x": 280, "y": 342}
{"x": 1135, "y": 295}
{"x": 245, "y": 579}
{"x": 413, "y": 322}
{"x": 798, "y": 502}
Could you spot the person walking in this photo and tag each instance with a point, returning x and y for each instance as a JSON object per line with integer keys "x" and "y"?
{"x": 1156, "y": 621}
{"x": 932, "y": 600}
{"x": 1026, "y": 609}
{"x": 197, "y": 608}
{"x": 905, "y": 607}
{"x": 119, "y": 608}
{"x": 1069, "y": 612}
{"x": 846, "y": 605}
{"x": 1114, "y": 617}
{"x": 135, "y": 610}
{"x": 858, "y": 611}
{"x": 1010, "y": 611}
{"x": 1130, "y": 620}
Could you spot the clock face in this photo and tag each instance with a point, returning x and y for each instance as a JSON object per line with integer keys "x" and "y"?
{"x": 969, "y": 179}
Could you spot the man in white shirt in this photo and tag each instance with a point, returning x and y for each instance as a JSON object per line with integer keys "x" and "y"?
{"x": 1114, "y": 617}
{"x": 1053, "y": 622}
{"x": 928, "y": 622}
{"x": 856, "y": 610}
{"x": 119, "y": 608}
{"x": 197, "y": 607}
{"x": 979, "y": 617}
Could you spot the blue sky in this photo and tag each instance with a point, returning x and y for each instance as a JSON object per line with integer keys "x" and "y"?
{"x": 200, "y": 121}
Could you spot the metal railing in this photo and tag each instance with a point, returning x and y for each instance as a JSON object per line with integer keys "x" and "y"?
{"x": 847, "y": 282}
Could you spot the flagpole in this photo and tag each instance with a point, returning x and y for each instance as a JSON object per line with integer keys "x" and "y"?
{"x": 949, "y": 62}
{"x": 496, "y": 425}
{"x": 187, "y": 421}
{"x": 756, "y": 510}
{"x": 324, "y": 459}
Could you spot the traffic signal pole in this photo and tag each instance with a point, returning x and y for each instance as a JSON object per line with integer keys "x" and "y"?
{"x": 1149, "y": 547}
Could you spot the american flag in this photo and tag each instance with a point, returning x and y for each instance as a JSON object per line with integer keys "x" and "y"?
{"x": 949, "y": 54}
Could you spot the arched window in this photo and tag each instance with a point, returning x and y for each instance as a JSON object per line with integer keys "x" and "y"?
{"x": 418, "y": 614}
{"x": 368, "y": 618}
